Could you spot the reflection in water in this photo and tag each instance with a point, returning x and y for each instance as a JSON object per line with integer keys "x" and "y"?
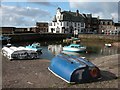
{"x": 55, "y": 49}
{"x": 92, "y": 51}
{"x": 108, "y": 51}
{"x": 96, "y": 49}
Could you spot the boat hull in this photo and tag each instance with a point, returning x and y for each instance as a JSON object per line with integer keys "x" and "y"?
{"x": 71, "y": 69}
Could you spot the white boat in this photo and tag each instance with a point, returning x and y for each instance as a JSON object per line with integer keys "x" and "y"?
{"x": 12, "y": 52}
{"x": 74, "y": 48}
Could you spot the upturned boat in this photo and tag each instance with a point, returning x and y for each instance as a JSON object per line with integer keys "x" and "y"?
{"x": 73, "y": 69}
{"x": 74, "y": 48}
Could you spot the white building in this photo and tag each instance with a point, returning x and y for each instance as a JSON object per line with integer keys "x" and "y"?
{"x": 67, "y": 22}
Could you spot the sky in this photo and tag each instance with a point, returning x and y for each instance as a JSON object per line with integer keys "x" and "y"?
{"x": 25, "y": 13}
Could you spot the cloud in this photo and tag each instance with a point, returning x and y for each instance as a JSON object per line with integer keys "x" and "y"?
{"x": 102, "y": 9}
{"x": 119, "y": 11}
{"x": 22, "y": 16}
{"x": 94, "y": 0}
{"x": 42, "y": 2}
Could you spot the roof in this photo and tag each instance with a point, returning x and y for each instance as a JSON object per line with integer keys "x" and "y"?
{"x": 41, "y": 22}
{"x": 7, "y": 27}
{"x": 70, "y": 16}
{"x": 117, "y": 24}
{"x": 105, "y": 20}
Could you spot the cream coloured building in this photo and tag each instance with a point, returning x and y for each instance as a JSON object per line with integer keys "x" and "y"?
{"x": 67, "y": 22}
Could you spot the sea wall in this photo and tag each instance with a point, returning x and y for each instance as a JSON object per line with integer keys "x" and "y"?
{"x": 52, "y": 36}
{"x": 100, "y": 37}
{"x": 35, "y": 37}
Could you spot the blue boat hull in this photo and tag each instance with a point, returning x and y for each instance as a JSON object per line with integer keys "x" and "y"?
{"x": 73, "y": 69}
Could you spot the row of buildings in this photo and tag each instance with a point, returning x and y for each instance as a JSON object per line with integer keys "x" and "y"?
{"x": 41, "y": 27}
{"x": 70, "y": 22}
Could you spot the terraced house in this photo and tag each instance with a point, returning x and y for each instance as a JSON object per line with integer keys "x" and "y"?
{"x": 106, "y": 25}
{"x": 67, "y": 22}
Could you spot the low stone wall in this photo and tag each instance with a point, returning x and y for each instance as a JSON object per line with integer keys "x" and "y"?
{"x": 99, "y": 37}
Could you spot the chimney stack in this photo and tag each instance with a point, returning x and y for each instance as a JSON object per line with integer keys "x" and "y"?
{"x": 77, "y": 12}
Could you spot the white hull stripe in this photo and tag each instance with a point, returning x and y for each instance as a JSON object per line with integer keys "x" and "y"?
{"x": 58, "y": 75}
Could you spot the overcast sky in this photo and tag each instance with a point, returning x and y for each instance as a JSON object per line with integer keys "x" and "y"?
{"x": 28, "y": 12}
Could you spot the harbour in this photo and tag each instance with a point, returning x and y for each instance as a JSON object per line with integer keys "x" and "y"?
{"x": 94, "y": 49}
{"x": 59, "y": 45}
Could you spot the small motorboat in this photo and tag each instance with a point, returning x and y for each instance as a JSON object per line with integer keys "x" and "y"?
{"x": 74, "y": 48}
{"x": 12, "y": 52}
{"x": 73, "y": 69}
{"x": 108, "y": 45}
{"x": 35, "y": 46}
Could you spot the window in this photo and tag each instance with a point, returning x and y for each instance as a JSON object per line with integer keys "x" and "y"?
{"x": 72, "y": 46}
{"x": 67, "y": 23}
{"x": 81, "y": 30}
{"x": 103, "y": 23}
{"x": 61, "y": 23}
{"x": 82, "y": 24}
{"x": 111, "y": 23}
{"x": 75, "y": 24}
{"x": 76, "y": 47}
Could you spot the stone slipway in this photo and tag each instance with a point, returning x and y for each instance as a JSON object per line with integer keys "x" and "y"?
{"x": 34, "y": 74}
